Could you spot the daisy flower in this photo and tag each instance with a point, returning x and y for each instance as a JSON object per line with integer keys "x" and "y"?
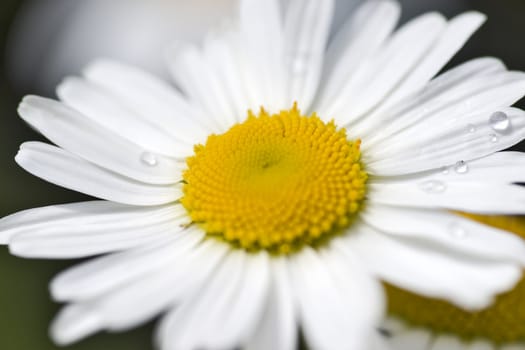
{"x": 280, "y": 182}
{"x": 420, "y": 323}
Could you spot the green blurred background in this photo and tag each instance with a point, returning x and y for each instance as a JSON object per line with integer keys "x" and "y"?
{"x": 25, "y": 306}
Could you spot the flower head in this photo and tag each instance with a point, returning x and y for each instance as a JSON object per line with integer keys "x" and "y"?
{"x": 288, "y": 176}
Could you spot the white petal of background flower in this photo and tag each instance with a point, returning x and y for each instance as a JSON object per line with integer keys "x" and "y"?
{"x": 417, "y": 339}
{"x": 401, "y": 336}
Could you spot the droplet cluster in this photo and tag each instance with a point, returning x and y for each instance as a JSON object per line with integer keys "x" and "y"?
{"x": 275, "y": 182}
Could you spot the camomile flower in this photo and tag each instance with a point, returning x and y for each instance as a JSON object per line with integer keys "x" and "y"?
{"x": 287, "y": 176}
{"x": 420, "y": 323}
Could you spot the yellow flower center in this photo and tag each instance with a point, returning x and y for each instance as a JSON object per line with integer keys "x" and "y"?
{"x": 502, "y": 322}
{"x": 275, "y": 182}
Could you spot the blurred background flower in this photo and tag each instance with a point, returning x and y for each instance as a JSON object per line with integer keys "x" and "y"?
{"x": 51, "y": 38}
{"x": 43, "y": 40}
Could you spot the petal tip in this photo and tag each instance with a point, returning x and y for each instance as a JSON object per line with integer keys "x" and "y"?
{"x": 74, "y": 323}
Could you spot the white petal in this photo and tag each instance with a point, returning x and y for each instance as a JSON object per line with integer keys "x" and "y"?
{"x": 513, "y": 347}
{"x": 449, "y": 143}
{"x": 430, "y": 271}
{"x": 433, "y": 98}
{"x": 161, "y": 289}
{"x": 67, "y": 170}
{"x": 360, "y": 38}
{"x": 72, "y": 131}
{"x": 83, "y": 213}
{"x": 154, "y": 292}
{"x": 329, "y": 318}
{"x": 453, "y": 232}
{"x": 277, "y": 329}
{"x": 341, "y": 265}
{"x": 306, "y": 29}
{"x": 481, "y": 345}
{"x": 73, "y": 323}
{"x": 74, "y": 231}
{"x": 378, "y": 342}
{"x": 262, "y": 38}
{"x": 98, "y": 105}
{"x": 238, "y": 319}
{"x": 429, "y": 192}
{"x": 95, "y": 277}
{"x": 416, "y": 339}
{"x": 457, "y": 32}
{"x": 201, "y": 83}
{"x": 446, "y": 342}
{"x": 500, "y": 168}
{"x": 198, "y": 323}
{"x": 393, "y": 325}
{"x": 222, "y": 54}
{"x": 66, "y": 214}
{"x": 85, "y": 244}
{"x": 152, "y": 98}
{"x": 372, "y": 83}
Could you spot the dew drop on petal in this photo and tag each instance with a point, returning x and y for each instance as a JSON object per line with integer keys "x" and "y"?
{"x": 471, "y": 128}
{"x": 298, "y": 66}
{"x": 433, "y": 186}
{"x": 299, "y": 63}
{"x": 493, "y": 138}
{"x": 149, "y": 159}
{"x": 444, "y": 170}
{"x": 499, "y": 122}
{"x": 461, "y": 167}
{"x": 457, "y": 231}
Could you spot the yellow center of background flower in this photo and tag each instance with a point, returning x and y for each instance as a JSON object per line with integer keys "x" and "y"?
{"x": 502, "y": 322}
{"x": 275, "y": 182}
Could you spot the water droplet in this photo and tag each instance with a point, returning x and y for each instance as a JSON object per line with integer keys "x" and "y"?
{"x": 298, "y": 66}
{"x": 457, "y": 231}
{"x": 471, "y": 128}
{"x": 444, "y": 170}
{"x": 299, "y": 63}
{"x": 149, "y": 159}
{"x": 493, "y": 138}
{"x": 461, "y": 167}
{"x": 433, "y": 186}
{"x": 499, "y": 122}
